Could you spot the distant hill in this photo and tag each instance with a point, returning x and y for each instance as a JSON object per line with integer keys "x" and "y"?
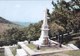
{"x": 23, "y": 24}
{"x": 5, "y": 24}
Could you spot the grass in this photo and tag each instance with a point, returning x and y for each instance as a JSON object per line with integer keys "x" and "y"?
{"x": 34, "y": 47}
{"x": 31, "y": 46}
{"x": 1, "y": 54}
{"x": 73, "y": 53}
{"x": 46, "y": 48}
{"x": 13, "y": 49}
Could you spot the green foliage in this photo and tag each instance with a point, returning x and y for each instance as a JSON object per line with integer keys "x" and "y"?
{"x": 33, "y": 31}
{"x": 12, "y": 36}
{"x": 66, "y": 14}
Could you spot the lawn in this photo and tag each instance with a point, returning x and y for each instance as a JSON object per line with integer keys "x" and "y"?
{"x": 13, "y": 49}
{"x": 44, "y": 48}
{"x": 73, "y": 53}
{"x": 1, "y": 54}
{"x": 32, "y": 46}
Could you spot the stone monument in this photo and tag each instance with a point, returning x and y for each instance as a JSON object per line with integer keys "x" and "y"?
{"x": 44, "y": 37}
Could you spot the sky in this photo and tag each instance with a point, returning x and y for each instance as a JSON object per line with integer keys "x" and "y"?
{"x": 24, "y": 10}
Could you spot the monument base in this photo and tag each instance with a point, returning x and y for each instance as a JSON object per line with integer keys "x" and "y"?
{"x": 44, "y": 50}
{"x": 41, "y": 43}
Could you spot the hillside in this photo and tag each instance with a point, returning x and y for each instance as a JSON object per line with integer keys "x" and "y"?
{"x": 2, "y": 20}
{"x": 5, "y": 24}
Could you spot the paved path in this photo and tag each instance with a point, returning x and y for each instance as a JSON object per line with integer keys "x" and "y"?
{"x": 27, "y": 49}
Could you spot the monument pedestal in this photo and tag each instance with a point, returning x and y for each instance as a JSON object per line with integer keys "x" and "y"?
{"x": 44, "y": 38}
{"x": 44, "y": 43}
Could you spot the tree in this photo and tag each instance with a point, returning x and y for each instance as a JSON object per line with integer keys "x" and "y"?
{"x": 12, "y": 36}
{"x": 68, "y": 17}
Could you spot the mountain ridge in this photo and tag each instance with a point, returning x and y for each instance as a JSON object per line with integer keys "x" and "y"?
{"x": 2, "y": 20}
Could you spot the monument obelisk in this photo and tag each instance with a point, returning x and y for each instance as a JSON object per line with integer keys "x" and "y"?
{"x": 44, "y": 37}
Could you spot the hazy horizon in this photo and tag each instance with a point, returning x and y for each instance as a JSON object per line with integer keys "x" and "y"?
{"x": 24, "y": 11}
